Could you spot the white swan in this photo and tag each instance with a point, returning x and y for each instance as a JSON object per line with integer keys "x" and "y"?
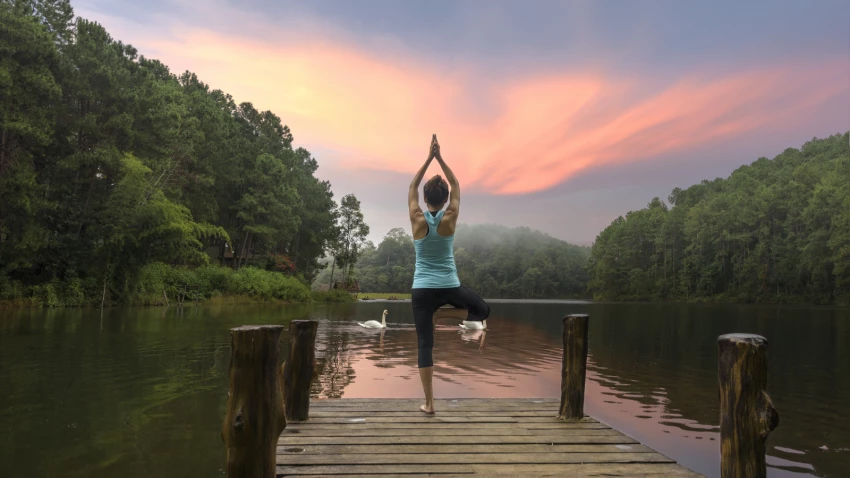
{"x": 374, "y": 324}
{"x": 474, "y": 325}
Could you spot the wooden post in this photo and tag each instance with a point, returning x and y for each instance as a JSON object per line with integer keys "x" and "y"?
{"x": 747, "y": 415}
{"x": 255, "y": 416}
{"x": 298, "y": 369}
{"x": 574, "y": 367}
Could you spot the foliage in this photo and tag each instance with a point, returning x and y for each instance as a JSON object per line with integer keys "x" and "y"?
{"x": 109, "y": 163}
{"x": 351, "y": 232}
{"x": 386, "y": 295}
{"x": 280, "y": 263}
{"x": 774, "y": 231}
{"x": 158, "y": 283}
{"x": 495, "y": 261}
{"x": 333, "y": 295}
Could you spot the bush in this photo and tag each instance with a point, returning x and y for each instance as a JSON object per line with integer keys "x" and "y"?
{"x": 212, "y": 279}
{"x": 269, "y": 285}
{"x": 45, "y": 294}
{"x": 152, "y": 280}
{"x": 333, "y": 295}
{"x": 11, "y": 290}
{"x": 223, "y": 283}
{"x": 74, "y": 294}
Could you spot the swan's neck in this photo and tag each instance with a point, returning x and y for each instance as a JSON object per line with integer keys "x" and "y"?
{"x": 484, "y": 323}
{"x": 384, "y": 320}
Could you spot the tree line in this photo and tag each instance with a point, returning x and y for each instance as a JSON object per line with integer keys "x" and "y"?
{"x": 496, "y": 261}
{"x": 773, "y": 231}
{"x": 109, "y": 163}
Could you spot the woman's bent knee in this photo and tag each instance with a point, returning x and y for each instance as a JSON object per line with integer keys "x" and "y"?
{"x": 486, "y": 311}
{"x": 481, "y": 311}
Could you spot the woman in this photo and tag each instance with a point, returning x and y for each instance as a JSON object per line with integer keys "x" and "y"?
{"x": 435, "y": 281}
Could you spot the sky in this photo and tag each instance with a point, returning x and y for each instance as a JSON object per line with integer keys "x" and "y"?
{"x": 555, "y": 115}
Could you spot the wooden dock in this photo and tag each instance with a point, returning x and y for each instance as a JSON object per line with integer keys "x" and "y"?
{"x": 272, "y": 427}
{"x": 481, "y": 437}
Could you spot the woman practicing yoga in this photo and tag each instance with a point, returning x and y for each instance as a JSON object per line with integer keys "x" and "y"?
{"x": 435, "y": 281}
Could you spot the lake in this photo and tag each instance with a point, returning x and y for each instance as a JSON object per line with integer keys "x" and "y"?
{"x": 140, "y": 392}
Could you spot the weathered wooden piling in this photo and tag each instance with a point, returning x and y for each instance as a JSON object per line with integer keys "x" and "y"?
{"x": 747, "y": 415}
{"x": 255, "y": 416}
{"x": 299, "y": 368}
{"x": 574, "y": 367}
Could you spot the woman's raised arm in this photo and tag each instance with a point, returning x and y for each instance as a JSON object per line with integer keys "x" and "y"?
{"x": 454, "y": 194}
{"x": 413, "y": 192}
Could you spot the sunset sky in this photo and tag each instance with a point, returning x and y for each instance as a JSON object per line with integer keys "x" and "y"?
{"x": 559, "y": 115}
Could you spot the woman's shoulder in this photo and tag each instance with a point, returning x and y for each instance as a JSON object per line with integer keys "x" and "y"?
{"x": 419, "y": 228}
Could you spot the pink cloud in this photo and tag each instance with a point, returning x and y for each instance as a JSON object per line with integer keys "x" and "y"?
{"x": 538, "y": 131}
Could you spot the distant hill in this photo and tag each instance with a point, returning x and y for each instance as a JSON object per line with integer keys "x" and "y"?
{"x": 774, "y": 231}
{"x": 495, "y": 261}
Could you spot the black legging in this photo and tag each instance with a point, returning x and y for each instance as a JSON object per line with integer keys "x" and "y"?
{"x": 427, "y": 301}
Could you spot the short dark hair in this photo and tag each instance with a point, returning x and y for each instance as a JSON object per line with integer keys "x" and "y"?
{"x": 436, "y": 191}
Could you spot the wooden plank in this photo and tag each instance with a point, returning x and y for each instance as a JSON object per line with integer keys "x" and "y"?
{"x": 442, "y": 403}
{"x": 377, "y": 432}
{"x": 296, "y": 440}
{"x": 285, "y": 451}
{"x": 413, "y": 475}
{"x": 418, "y": 417}
{"x": 365, "y": 470}
{"x": 323, "y": 401}
{"x": 461, "y": 431}
{"x": 571, "y": 470}
{"x": 587, "y": 431}
{"x": 582, "y": 470}
{"x": 413, "y": 406}
{"x": 413, "y": 409}
{"x": 557, "y": 425}
{"x": 428, "y": 419}
{"x": 345, "y": 413}
{"x": 659, "y": 470}
{"x": 476, "y": 458}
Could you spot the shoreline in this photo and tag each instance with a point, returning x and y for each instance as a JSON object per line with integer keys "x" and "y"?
{"x": 637, "y": 302}
{"x": 238, "y": 300}
{"x": 218, "y": 300}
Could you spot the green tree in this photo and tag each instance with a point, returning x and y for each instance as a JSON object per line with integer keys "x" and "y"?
{"x": 773, "y": 231}
{"x": 352, "y": 234}
{"x": 112, "y": 168}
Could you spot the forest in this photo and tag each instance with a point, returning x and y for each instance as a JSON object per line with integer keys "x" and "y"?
{"x": 773, "y": 231}
{"x": 119, "y": 179}
{"x": 495, "y": 261}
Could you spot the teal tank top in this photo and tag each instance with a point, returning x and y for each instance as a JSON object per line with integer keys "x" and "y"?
{"x": 435, "y": 259}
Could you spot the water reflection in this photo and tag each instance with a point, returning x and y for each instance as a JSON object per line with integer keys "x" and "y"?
{"x": 141, "y": 392}
{"x": 477, "y": 336}
{"x": 652, "y": 372}
{"x": 358, "y": 362}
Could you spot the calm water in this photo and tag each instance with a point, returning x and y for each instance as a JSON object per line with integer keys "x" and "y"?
{"x": 141, "y": 392}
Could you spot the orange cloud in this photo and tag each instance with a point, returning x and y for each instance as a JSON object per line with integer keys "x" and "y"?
{"x": 536, "y": 131}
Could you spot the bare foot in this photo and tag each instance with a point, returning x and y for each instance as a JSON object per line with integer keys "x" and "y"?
{"x": 425, "y": 409}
